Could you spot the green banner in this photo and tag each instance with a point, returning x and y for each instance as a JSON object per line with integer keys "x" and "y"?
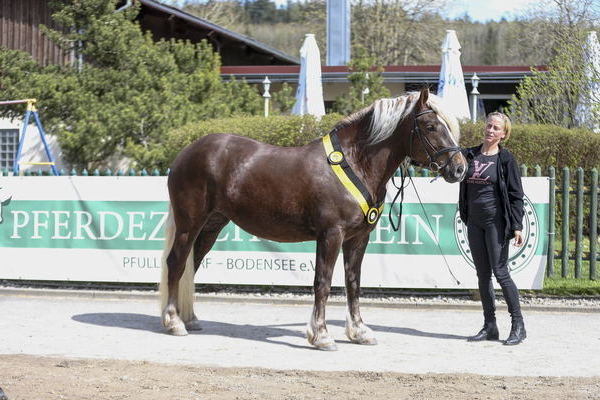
{"x": 139, "y": 225}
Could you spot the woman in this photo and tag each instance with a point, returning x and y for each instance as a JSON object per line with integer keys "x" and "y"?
{"x": 491, "y": 206}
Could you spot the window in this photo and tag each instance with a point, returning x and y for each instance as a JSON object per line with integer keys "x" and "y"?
{"x": 9, "y": 143}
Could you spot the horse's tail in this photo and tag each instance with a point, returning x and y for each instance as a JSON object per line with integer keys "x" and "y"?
{"x": 185, "y": 300}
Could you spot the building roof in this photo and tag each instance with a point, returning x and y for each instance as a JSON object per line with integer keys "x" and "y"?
{"x": 406, "y": 73}
{"x": 235, "y": 49}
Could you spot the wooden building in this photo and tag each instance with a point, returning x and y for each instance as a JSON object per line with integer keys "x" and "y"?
{"x": 20, "y": 22}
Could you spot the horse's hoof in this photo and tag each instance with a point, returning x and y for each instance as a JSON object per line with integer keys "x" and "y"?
{"x": 323, "y": 343}
{"x": 177, "y": 330}
{"x": 193, "y": 325}
{"x": 326, "y": 345}
{"x": 371, "y": 341}
{"x": 361, "y": 335}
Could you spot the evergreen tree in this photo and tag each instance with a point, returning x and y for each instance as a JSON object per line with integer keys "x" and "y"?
{"x": 129, "y": 91}
{"x": 490, "y": 52}
{"x": 366, "y": 83}
{"x": 284, "y": 99}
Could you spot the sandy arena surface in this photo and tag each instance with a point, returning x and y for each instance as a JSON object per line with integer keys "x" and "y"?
{"x": 31, "y": 377}
{"x": 56, "y": 347}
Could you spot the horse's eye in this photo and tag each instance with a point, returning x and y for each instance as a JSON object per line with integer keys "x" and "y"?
{"x": 430, "y": 128}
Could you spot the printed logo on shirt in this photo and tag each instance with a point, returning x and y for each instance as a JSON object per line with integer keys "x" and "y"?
{"x": 518, "y": 257}
{"x": 478, "y": 169}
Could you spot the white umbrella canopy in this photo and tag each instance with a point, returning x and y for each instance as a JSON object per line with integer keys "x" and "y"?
{"x": 309, "y": 96}
{"x": 451, "y": 84}
{"x": 588, "y": 109}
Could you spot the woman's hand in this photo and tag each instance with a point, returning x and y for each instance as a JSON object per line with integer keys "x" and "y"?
{"x": 518, "y": 239}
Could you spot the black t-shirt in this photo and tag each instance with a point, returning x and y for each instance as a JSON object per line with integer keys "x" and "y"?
{"x": 482, "y": 185}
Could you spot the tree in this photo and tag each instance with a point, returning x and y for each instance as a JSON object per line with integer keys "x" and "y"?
{"x": 490, "y": 55}
{"x": 226, "y": 13}
{"x": 130, "y": 90}
{"x": 552, "y": 96}
{"x": 366, "y": 83}
{"x": 284, "y": 99}
{"x": 398, "y": 32}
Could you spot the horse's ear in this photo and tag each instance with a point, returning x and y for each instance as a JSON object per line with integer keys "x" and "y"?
{"x": 423, "y": 97}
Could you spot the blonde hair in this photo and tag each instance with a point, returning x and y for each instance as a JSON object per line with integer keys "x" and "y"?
{"x": 505, "y": 119}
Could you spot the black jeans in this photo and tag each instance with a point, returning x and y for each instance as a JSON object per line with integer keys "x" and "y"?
{"x": 490, "y": 254}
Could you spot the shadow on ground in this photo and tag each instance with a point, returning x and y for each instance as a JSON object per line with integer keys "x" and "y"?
{"x": 263, "y": 333}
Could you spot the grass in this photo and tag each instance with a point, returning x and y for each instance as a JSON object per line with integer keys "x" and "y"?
{"x": 584, "y": 286}
{"x": 569, "y": 285}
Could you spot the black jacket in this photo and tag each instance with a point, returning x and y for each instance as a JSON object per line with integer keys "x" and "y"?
{"x": 511, "y": 188}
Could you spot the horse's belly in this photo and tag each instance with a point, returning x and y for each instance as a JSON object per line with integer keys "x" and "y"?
{"x": 276, "y": 229}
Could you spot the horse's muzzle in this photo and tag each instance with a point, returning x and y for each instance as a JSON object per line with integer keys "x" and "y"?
{"x": 456, "y": 170}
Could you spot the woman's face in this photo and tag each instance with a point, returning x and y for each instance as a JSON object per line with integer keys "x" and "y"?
{"x": 494, "y": 130}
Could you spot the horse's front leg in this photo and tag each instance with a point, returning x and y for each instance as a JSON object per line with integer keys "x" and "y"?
{"x": 328, "y": 247}
{"x": 356, "y": 330}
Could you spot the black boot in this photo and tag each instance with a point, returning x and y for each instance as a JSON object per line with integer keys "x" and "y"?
{"x": 488, "y": 332}
{"x": 517, "y": 333}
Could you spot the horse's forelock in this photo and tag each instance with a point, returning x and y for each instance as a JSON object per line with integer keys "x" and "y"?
{"x": 436, "y": 105}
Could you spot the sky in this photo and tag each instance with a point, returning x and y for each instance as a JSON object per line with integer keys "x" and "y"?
{"x": 478, "y": 10}
{"x": 485, "y": 10}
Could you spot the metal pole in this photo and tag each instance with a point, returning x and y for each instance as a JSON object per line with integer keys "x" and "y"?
{"x": 43, "y": 137}
{"x": 474, "y": 93}
{"x": 3, "y": 103}
{"x": 31, "y": 109}
{"x": 21, "y": 141}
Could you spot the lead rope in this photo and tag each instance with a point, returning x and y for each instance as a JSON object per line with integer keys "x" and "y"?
{"x": 400, "y": 192}
{"x": 435, "y": 239}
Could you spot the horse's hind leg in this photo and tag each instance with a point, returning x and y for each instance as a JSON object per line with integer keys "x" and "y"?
{"x": 328, "y": 247}
{"x": 356, "y": 330}
{"x": 204, "y": 242}
{"x": 176, "y": 265}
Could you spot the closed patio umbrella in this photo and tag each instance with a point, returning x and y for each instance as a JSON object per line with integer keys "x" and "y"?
{"x": 309, "y": 96}
{"x": 451, "y": 84}
{"x": 588, "y": 109}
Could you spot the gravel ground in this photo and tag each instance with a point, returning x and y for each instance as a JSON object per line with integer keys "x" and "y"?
{"x": 373, "y": 298}
{"x": 441, "y": 300}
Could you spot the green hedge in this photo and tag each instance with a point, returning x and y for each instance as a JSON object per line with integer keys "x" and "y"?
{"x": 542, "y": 145}
{"x": 276, "y": 130}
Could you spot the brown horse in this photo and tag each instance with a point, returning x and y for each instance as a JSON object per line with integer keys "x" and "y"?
{"x": 295, "y": 194}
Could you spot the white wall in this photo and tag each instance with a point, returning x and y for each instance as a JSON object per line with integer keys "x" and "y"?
{"x": 33, "y": 148}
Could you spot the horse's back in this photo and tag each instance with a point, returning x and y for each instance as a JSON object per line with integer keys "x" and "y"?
{"x": 232, "y": 155}
{"x": 259, "y": 186}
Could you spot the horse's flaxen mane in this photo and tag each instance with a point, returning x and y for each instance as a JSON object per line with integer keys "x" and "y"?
{"x": 353, "y": 118}
{"x": 387, "y": 114}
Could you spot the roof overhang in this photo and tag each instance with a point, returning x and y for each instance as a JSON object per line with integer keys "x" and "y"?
{"x": 391, "y": 74}
{"x": 214, "y": 29}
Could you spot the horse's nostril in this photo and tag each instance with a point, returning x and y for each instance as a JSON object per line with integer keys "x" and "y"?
{"x": 460, "y": 169}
